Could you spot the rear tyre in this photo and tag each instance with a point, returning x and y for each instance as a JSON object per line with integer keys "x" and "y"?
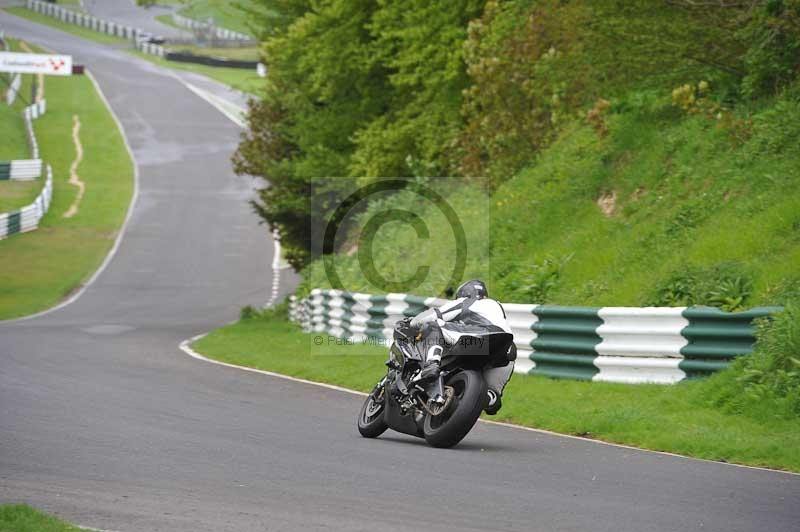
{"x": 469, "y": 399}
{"x": 370, "y": 419}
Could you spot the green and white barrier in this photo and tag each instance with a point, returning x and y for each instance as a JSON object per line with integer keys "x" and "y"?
{"x": 70, "y": 16}
{"x": 28, "y": 217}
{"x": 31, "y": 113}
{"x": 26, "y": 169}
{"x": 21, "y": 169}
{"x": 661, "y": 345}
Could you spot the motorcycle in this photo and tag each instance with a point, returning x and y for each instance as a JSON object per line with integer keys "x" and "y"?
{"x": 442, "y": 410}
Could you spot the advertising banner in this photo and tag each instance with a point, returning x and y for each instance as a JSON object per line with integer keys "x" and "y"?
{"x": 57, "y": 65}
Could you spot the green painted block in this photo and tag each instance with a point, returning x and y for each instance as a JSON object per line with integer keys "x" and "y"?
{"x": 14, "y": 222}
{"x": 5, "y": 171}
{"x": 566, "y": 341}
{"x": 701, "y": 368}
{"x": 716, "y": 337}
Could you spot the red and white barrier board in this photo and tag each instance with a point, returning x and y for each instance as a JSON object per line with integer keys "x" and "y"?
{"x": 54, "y": 65}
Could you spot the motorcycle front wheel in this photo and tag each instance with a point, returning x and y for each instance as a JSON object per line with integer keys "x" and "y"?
{"x": 467, "y": 402}
{"x": 370, "y": 419}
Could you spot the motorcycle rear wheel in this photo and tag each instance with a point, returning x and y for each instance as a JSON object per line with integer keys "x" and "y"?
{"x": 370, "y": 420}
{"x": 469, "y": 400}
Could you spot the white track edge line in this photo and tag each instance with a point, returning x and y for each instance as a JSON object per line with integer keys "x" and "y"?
{"x": 134, "y": 197}
{"x": 214, "y": 101}
{"x": 185, "y": 346}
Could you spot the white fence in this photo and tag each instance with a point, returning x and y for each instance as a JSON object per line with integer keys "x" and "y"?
{"x": 31, "y": 113}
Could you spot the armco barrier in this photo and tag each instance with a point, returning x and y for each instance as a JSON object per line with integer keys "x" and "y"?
{"x": 28, "y": 217}
{"x": 661, "y": 345}
{"x": 210, "y": 61}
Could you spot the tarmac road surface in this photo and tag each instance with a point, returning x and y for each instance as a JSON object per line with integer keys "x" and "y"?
{"x": 104, "y": 422}
{"x": 127, "y": 12}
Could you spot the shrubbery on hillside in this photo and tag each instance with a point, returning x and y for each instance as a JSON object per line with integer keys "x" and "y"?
{"x": 766, "y": 383}
{"x": 666, "y": 208}
{"x": 638, "y": 152}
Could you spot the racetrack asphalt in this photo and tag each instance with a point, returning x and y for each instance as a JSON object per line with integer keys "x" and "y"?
{"x": 106, "y": 423}
{"x": 127, "y": 12}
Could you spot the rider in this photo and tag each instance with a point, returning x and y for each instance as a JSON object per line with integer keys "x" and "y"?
{"x": 471, "y": 311}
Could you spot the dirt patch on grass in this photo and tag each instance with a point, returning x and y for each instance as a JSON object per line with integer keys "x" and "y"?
{"x": 607, "y": 202}
{"x": 74, "y": 178}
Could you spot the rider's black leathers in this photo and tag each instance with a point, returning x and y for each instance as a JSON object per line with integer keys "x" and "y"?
{"x": 444, "y": 326}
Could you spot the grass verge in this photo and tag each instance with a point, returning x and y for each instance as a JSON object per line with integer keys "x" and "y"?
{"x": 237, "y": 78}
{"x": 245, "y": 53}
{"x": 12, "y": 131}
{"x": 53, "y": 261}
{"x": 167, "y": 21}
{"x": 17, "y": 194}
{"x": 676, "y": 419}
{"x": 23, "y": 518}
{"x": 225, "y": 14}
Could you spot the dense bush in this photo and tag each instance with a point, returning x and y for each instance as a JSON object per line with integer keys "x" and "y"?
{"x": 727, "y": 286}
{"x": 767, "y": 382}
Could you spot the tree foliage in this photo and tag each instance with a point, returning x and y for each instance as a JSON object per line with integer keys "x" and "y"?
{"x": 360, "y": 89}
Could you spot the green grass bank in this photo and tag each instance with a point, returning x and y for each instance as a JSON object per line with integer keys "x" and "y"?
{"x": 53, "y": 261}
{"x": 683, "y": 419}
{"x": 665, "y": 207}
{"x": 12, "y": 131}
{"x": 225, "y": 14}
{"x": 22, "y": 518}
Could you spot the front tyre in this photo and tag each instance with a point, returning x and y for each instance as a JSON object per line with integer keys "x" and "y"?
{"x": 466, "y": 405}
{"x": 370, "y": 419}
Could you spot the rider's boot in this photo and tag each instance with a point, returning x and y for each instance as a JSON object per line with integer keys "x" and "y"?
{"x": 432, "y": 363}
{"x": 495, "y": 402}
